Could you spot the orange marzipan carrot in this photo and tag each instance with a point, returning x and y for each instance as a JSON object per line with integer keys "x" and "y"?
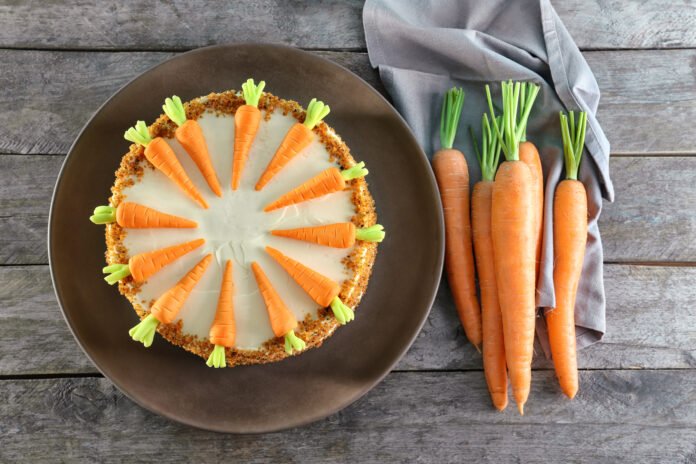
{"x": 223, "y": 330}
{"x": 324, "y": 183}
{"x": 282, "y": 320}
{"x": 246, "y": 124}
{"x": 339, "y": 235}
{"x": 136, "y": 216}
{"x": 170, "y": 303}
{"x": 322, "y": 289}
{"x": 190, "y": 136}
{"x": 147, "y": 264}
{"x": 530, "y": 155}
{"x": 296, "y": 140}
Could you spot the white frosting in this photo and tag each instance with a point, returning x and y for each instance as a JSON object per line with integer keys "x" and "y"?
{"x": 235, "y": 227}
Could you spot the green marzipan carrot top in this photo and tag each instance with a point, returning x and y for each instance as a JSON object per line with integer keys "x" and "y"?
{"x": 252, "y": 92}
{"x": 139, "y": 134}
{"x": 174, "y": 109}
{"x": 316, "y": 111}
{"x": 514, "y": 124}
{"x": 573, "y": 141}
{"x": 449, "y": 117}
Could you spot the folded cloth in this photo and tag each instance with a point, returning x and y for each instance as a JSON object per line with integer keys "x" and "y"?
{"x": 424, "y": 47}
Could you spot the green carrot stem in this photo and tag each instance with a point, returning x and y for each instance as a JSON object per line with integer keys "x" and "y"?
{"x": 144, "y": 332}
{"x": 116, "y": 272}
{"x": 103, "y": 215}
{"x": 511, "y": 130}
{"x": 316, "y": 111}
{"x": 573, "y": 141}
{"x": 138, "y": 134}
{"x": 489, "y": 156}
{"x": 449, "y": 116}
{"x": 293, "y": 343}
{"x": 342, "y": 312}
{"x": 217, "y": 357}
{"x": 374, "y": 233}
{"x": 174, "y": 109}
{"x": 252, "y": 92}
{"x": 354, "y": 172}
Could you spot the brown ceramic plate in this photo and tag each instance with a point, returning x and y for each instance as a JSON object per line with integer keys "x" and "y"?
{"x": 169, "y": 381}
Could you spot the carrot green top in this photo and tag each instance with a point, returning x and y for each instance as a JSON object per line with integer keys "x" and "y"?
{"x": 252, "y": 92}
{"x": 174, "y": 109}
{"x": 449, "y": 117}
{"x": 354, "y": 172}
{"x": 489, "y": 156}
{"x": 517, "y": 104}
{"x": 138, "y": 134}
{"x": 573, "y": 141}
{"x": 103, "y": 215}
{"x": 316, "y": 111}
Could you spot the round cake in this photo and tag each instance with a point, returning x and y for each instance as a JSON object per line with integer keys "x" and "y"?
{"x": 240, "y": 227}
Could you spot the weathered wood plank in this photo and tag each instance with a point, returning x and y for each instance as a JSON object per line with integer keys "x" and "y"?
{"x": 649, "y": 97}
{"x": 650, "y": 318}
{"x": 652, "y": 214}
{"x": 618, "y": 416}
{"x": 182, "y": 25}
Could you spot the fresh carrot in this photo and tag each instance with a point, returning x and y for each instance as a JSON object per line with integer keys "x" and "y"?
{"x": 452, "y": 174}
{"x": 190, "y": 136}
{"x": 494, "y": 366}
{"x": 283, "y": 322}
{"x": 569, "y": 240}
{"x": 297, "y": 139}
{"x": 160, "y": 154}
{"x": 328, "y": 181}
{"x": 136, "y": 216}
{"x": 246, "y": 125}
{"x": 167, "y": 306}
{"x": 223, "y": 331}
{"x": 339, "y": 235}
{"x": 530, "y": 156}
{"x": 321, "y": 289}
{"x": 145, "y": 265}
{"x": 512, "y": 224}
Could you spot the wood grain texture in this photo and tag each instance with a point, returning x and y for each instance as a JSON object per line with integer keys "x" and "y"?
{"x": 616, "y": 417}
{"x": 186, "y": 24}
{"x": 648, "y": 100}
{"x": 652, "y": 215}
{"x": 650, "y": 316}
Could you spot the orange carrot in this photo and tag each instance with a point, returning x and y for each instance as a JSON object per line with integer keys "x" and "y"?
{"x": 452, "y": 174}
{"x": 297, "y": 139}
{"x": 321, "y": 289}
{"x": 512, "y": 224}
{"x": 223, "y": 331}
{"x": 190, "y": 136}
{"x": 494, "y": 365}
{"x": 283, "y": 322}
{"x": 167, "y": 306}
{"x": 160, "y": 154}
{"x": 246, "y": 124}
{"x": 136, "y": 216}
{"x": 328, "y": 181}
{"x": 339, "y": 235}
{"x": 569, "y": 238}
{"x": 145, "y": 265}
{"x": 530, "y": 156}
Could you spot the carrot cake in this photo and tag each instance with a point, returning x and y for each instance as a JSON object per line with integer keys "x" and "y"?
{"x": 240, "y": 227}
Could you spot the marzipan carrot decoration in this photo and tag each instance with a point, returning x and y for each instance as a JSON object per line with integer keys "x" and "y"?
{"x": 328, "y": 181}
{"x": 569, "y": 240}
{"x": 160, "y": 154}
{"x": 283, "y": 322}
{"x": 223, "y": 331}
{"x": 246, "y": 125}
{"x": 514, "y": 239}
{"x": 452, "y": 174}
{"x": 136, "y": 216}
{"x": 321, "y": 289}
{"x": 298, "y": 137}
{"x": 339, "y": 235}
{"x": 167, "y": 306}
{"x": 494, "y": 365}
{"x": 147, "y": 264}
{"x": 530, "y": 156}
{"x": 190, "y": 136}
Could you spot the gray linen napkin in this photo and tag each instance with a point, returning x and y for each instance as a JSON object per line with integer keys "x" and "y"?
{"x": 424, "y": 47}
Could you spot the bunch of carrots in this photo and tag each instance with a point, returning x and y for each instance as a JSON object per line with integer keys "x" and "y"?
{"x": 498, "y": 231}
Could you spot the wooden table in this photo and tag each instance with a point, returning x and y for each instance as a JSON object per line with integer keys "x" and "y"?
{"x": 637, "y": 401}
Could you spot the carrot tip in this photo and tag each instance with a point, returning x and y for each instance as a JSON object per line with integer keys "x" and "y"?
{"x": 520, "y": 407}
{"x": 499, "y": 400}
{"x": 217, "y": 357}
{"x": 144, "y": 332}
{"x": 478, "y": 348}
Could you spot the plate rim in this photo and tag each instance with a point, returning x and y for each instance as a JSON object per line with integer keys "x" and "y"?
{"x": 339, "y": 405}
